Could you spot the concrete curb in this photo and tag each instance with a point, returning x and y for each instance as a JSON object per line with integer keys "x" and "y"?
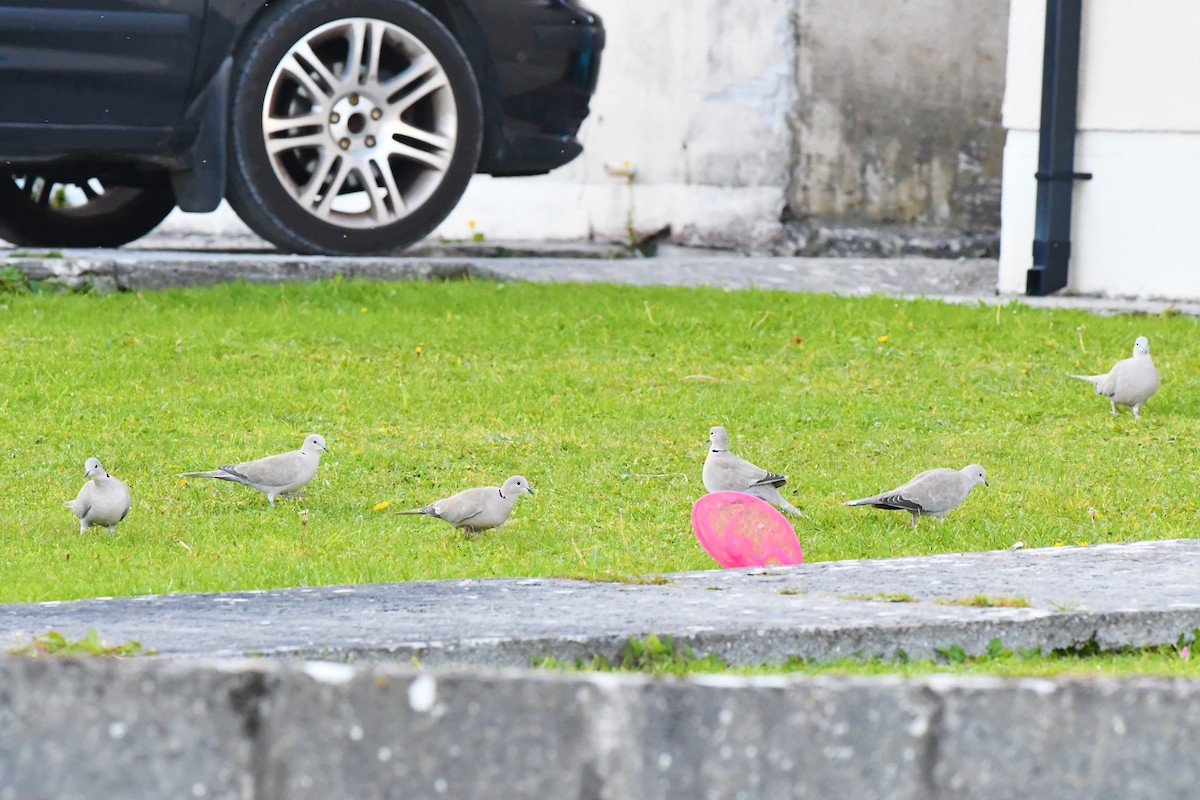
{"x": 967, "y": 281}
{"x": 1109, "y": 595}
{"x": 265, "y": 731}
{"x": 140, "y": 270}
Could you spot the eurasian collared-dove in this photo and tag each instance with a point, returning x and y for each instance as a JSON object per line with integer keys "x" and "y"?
{"x": 476, "y": 510}
{"x": 103, "y": 500}
{"x": 1131, "y": 381}
{"x": 725, "y": 472}
{"x": 933, "y": 493}
{"x": 273, "y": 475}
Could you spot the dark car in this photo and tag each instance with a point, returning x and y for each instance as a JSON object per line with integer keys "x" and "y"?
{"x": 332, "y": 126}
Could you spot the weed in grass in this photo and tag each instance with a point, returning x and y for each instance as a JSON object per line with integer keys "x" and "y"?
{"x": 572, "y": 386}
{"x": 612, "y": 577}
{"x": 984, "y": 601}
{"x": 53, "y": 643}
{"x": 653, "y": 654}
{"x": 43, "y": 254}
{"x": 14, "y": 281}
{"x": 661, "y": 656}
{"x": 881, "y": 597}
{"x": 1071, "y": 605}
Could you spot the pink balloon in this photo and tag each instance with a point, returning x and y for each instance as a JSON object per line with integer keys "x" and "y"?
{"x": 740, "y": 530}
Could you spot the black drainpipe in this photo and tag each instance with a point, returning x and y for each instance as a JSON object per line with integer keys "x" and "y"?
{"x": 1056, "y": 173}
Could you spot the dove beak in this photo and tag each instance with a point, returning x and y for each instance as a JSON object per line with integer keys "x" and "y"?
{"x": 326, "y": 449}
{"x": 985, "y": 483}
{"x": 530, "y": 490}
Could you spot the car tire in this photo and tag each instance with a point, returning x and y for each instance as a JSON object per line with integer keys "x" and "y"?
{"x": 364, "y": 160}
{"x": 33, "y": 214}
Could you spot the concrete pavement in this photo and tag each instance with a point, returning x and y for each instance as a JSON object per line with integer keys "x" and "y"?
{"x": 169, "y": 259}
{"x": 139, "y": 270}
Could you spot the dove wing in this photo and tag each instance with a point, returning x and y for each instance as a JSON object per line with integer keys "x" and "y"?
{"x": 280, "y": 470}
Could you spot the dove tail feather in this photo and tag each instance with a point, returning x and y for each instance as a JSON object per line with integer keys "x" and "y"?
{"x": 216, "y": 473}
{"x": 863, "y": 501}
{"x": 890, "y": 502}
{"x": 1089, "y": 378}
{"x": 422, "y": 510}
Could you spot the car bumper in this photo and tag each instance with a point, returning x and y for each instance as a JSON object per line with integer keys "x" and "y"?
{"x": 546, "y": 79}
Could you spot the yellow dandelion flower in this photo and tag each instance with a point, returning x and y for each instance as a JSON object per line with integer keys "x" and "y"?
{"x": 883, "y": 339}
{"x": 183, "y": 481}
{"x": 471, "y": 224}
{"x": 420, "y": 349}
{"x": 910, "y": 326}
{"x": 1058, "y": 544}
{"x": 381, "y": 505}
{"x": 363, "y": 309}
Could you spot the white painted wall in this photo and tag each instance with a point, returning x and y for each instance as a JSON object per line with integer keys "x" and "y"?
{"x": 695, "y": 101}
{"x": 1139, "y": 133}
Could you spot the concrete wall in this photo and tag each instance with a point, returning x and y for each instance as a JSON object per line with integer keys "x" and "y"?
{"x": 263, "y": 731}
{"x": 897, "y": 119}
{"x": 730, "y": 116}
{"x": 1138, "y": 134}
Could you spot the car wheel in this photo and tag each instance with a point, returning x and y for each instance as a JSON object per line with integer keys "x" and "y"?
{"x": 87, "y": 212}
{"x": 355, "y": 127}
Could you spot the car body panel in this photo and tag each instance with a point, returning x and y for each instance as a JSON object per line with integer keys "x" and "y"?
{"x": 546, "y": 59}
{"x": 99, "y": 83}
{"x": 75, "y": 63}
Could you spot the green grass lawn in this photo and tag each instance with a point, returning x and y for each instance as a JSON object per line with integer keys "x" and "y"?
{"x": 602, "y": 396}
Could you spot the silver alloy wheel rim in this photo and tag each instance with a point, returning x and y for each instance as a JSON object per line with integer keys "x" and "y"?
{"x": 359, "y": 123}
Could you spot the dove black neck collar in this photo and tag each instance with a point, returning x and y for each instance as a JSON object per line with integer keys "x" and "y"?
{"x": 715, "y": 450}
{"x": 501, "y": 491}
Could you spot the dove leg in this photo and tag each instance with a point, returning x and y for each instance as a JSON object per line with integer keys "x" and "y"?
{"x": 1113, "y": 403}
{"x": 772, "y": 496}
{"x": 83, "y": 526}
{"x": 791, "y": 509}
{"x": 1135, "y": 411}
{"x": 916, "y": 515}
{"x": 271, "y": 499}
